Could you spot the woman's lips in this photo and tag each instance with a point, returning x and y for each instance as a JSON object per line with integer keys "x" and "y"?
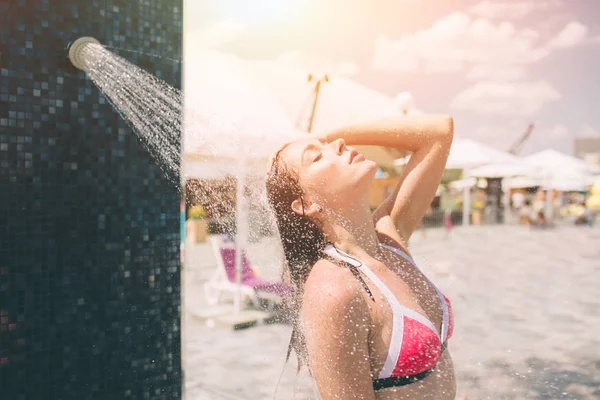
{"x": 355, "y": 156}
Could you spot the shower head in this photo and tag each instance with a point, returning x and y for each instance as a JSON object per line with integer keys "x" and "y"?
{"x": 77, "y": 50}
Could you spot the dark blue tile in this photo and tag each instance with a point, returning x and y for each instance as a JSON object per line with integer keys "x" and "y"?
{"x": 86, "y": 216}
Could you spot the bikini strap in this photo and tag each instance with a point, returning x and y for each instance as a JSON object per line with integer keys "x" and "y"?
{"x": 354, "y": 271}
{"x": 397, "y": 315}
{"x": 340, "y": 255}
{"x": 445, "y": 313}
{"x": 398, "y": 310}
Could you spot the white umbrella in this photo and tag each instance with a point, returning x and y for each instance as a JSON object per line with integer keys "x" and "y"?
{"x": 472, "y": 156}
{"x": 463, "y": 183}
{"x": 563, "y": 172}
{"x": 566, "y": 185}
{"x": 561, "y": 184}
{"x": 341, "y": 102}
{"x": 524, "y": 182}
{"x": 560, "y": 163}
{"x": 504, "y": 170}
{"x": 231, "y": 125}
{"x": 468, "y": 153}
{"x": 227, "y": 111}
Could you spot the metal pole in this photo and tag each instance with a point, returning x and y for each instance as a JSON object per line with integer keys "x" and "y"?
{"x": 506, "y": 183}
{"x": 466, "y": 200}
{"x": 314, "y": 107}
{"x": 239, "y": 222}
{"x": 549, "y": 212}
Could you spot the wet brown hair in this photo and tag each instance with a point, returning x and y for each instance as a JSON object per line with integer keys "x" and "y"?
{"x": 303, "y": 243}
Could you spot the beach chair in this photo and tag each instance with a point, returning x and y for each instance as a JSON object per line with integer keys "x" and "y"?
{"x": 252, "y": 286}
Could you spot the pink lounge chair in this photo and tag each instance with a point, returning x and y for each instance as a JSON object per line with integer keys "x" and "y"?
{"x": 252, "y": 286}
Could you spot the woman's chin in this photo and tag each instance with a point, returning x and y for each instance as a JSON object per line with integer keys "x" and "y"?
{"x": 370, "y": 168}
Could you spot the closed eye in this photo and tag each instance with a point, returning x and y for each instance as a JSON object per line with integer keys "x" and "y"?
{"x": 318, "y": 157}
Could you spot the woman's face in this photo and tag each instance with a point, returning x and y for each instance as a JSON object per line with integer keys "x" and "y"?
{"x": 330, "y": 174}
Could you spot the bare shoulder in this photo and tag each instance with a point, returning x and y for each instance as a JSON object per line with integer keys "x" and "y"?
{"x": 332, "y": 292}
{"x": 386, "y": 228}
{"x": 336, "y": 329}
{"x": 389, "y": 237}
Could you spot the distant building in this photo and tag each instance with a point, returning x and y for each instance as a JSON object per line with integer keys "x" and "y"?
{"x": 588, "y": 149}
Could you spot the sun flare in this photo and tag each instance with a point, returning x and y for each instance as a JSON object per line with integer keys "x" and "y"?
{"x": 257, "y": 11}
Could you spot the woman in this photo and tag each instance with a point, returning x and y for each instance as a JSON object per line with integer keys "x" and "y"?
{"x": 369, "y": 324}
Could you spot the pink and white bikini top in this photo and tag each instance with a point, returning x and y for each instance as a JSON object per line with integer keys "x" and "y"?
{"x": 416, "y": 345}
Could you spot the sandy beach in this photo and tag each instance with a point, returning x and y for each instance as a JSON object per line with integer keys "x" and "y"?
{"x": 526, "y": 304}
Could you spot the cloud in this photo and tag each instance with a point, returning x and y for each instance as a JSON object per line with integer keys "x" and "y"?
{"x": 505, "y": 98}
{"x": 226, "y": 31}
{"x": 405, "y": 102}
{"x": 513, "y": 9}
{"x": 485, "y": 71}
{"x": 588, "y": 132}
{"x": 558, "y": 137}
{"x": 558, "y": 132}
{"x": 220, "y": 33}
{"x": 315, "y": 64}
{"x": 501, "y": 135}
{"x": 506, "y": 133}
{"x": 457, "y": 41}
{"x": 479, "y": 47}
{"x": 573, "y": 34}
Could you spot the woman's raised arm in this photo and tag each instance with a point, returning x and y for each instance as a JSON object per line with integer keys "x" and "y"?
{"x": 429, "y": 137}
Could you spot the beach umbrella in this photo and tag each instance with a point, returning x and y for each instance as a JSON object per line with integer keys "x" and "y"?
{"x": 468, "y": 153}
{"x": 559, "y": 163}
{"x": 227, "y": 113}
{"x": 506, "y": 170}
{"x": 340, "y": 102}
{"x": 562, "y": 171}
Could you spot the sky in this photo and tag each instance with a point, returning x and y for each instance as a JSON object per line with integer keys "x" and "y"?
{"x": 495, "y": 66}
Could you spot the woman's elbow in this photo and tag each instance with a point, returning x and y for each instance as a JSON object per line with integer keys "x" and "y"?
{"x": 446, "y": 128}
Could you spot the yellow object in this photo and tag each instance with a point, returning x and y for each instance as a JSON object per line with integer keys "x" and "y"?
{"x": 572, "y": 210}
{"x": 478, "y": 204}
{"x": 593, "y": 202}
{"x": 196, "y": 212}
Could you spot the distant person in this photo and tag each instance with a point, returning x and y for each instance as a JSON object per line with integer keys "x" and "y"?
{"x": 369, "y": 324}
{"x": 525, "y": 213}
{"x": 586, "y": 217}
{"x": 541, "y": 221}
{"x": 422, "y": 226}
{"x": 518, "y": 201}
{"x": 448, "y": 221}
{"x": 540, "y": 201}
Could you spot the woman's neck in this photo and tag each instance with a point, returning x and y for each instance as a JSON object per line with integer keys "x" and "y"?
{"x": 353, "y": 232}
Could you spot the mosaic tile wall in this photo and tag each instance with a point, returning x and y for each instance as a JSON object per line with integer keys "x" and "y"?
{"x": 89, "y": 228}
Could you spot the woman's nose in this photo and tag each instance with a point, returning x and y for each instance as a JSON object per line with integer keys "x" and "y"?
{"x": 339, "y": 145}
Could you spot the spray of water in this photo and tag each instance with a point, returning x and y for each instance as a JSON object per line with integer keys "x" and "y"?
{"x": 150, "y": 106}
{"x": 228, "y": 121}
{"x": 154, "y": 110}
